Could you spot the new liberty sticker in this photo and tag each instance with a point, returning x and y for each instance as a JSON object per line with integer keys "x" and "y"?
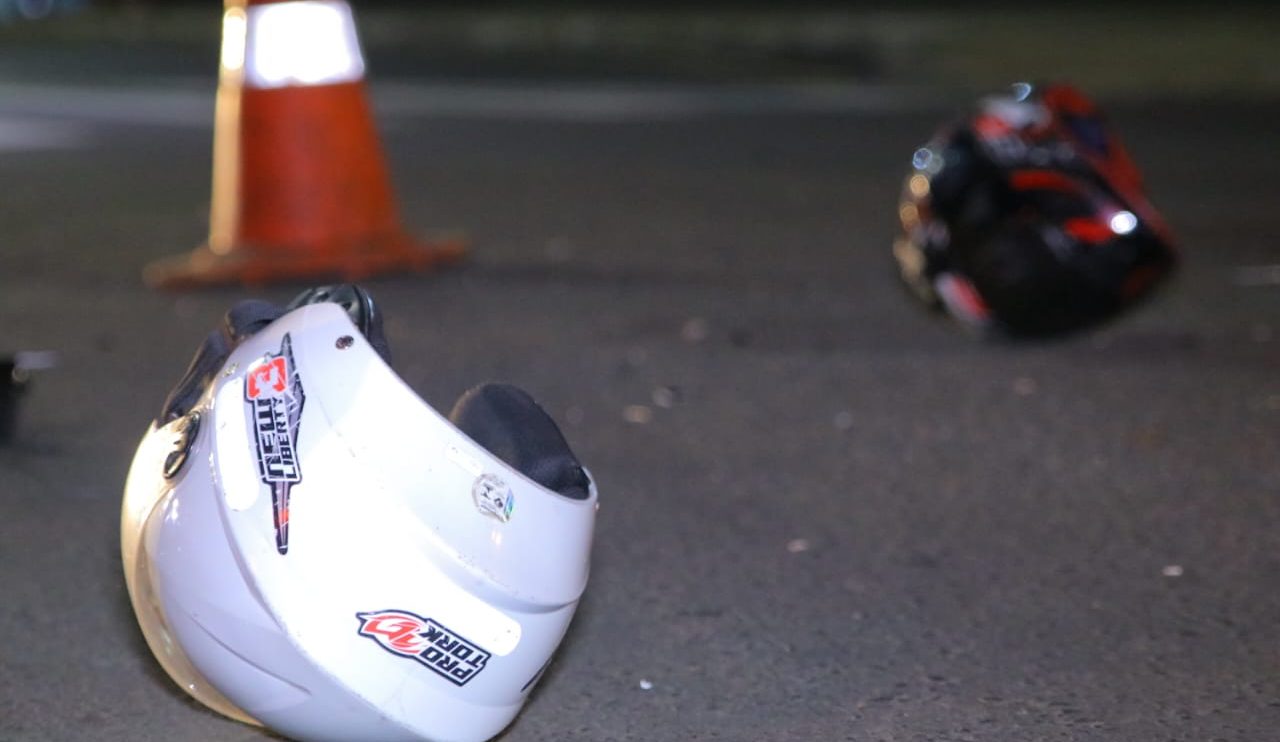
{"x": 423, "y": 639}
{"x": 273, "y": 391}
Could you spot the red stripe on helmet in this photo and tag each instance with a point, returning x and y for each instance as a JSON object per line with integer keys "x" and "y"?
{"x": 1088, "y": 230}
{"x": 1031, "y": 180}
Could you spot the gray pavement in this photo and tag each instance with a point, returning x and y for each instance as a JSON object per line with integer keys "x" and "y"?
{"x": 840, "y": 518}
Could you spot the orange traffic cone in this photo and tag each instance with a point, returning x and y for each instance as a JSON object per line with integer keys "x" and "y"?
{"x": 300, "y": 188}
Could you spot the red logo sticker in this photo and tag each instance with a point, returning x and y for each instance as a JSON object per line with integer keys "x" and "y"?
{"x": 426, "y": 640}
{"x": 269, "y": 379}
{"x": 398, "y": 632}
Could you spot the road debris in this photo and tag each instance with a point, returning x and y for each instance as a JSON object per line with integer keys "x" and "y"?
{"x": 695, "y": 330}
{"x": 666, "y": 397}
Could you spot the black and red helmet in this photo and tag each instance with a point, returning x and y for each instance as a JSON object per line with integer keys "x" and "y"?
{"x": 1029, "y": 217}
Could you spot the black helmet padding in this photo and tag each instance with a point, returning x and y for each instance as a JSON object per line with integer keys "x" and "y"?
{"x": 510, "y": 425}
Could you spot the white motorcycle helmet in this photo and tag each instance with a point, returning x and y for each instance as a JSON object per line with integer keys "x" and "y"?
{"x": 311, "y": 547}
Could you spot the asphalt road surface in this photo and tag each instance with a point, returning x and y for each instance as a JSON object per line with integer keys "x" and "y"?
{"x": 826, "y": 514}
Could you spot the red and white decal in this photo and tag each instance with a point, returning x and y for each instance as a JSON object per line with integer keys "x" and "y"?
{"x": 425, "y": 640}
{"x": 274, "y": 395}
{"x": 268, "y": 379}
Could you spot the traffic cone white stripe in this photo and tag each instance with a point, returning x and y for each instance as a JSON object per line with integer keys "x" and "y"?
{"x": 305, "y": 42}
